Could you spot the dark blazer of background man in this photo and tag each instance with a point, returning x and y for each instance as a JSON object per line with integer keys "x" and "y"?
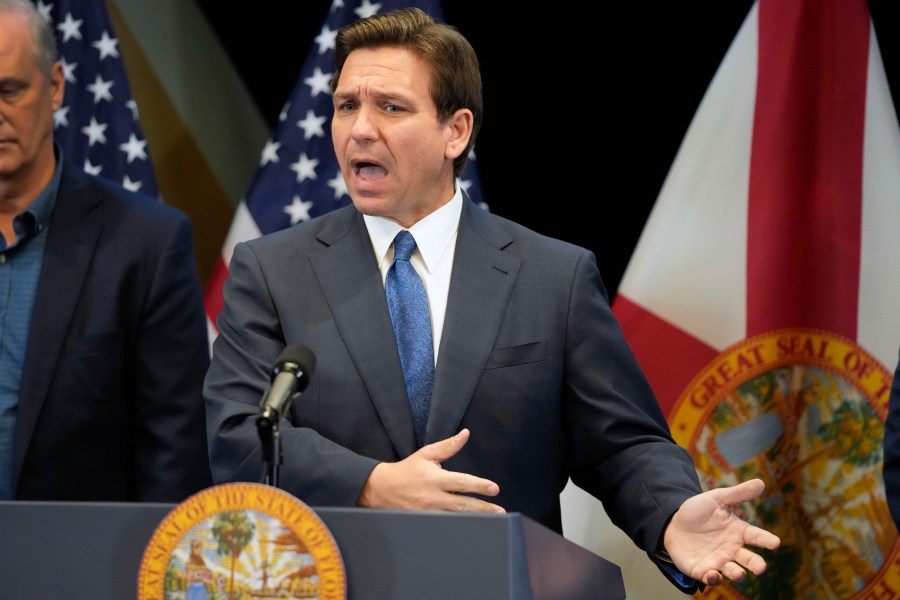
{"x": 103, "y": 343}
{"x": 111, "y": 401}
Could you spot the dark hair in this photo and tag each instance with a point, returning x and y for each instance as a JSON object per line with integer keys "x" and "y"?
{"x": 455, "y": 72}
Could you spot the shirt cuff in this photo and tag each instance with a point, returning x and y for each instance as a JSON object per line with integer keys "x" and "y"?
{"x": 666, "y": 563}
{"x": 678, "y": 577}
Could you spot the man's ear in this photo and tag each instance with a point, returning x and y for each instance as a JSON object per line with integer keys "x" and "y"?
{"x": 57, "y": 85}
{"x": 459, "y": 128}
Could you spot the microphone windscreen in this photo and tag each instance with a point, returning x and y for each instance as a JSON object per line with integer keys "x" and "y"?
{"x": 300, "y": 355}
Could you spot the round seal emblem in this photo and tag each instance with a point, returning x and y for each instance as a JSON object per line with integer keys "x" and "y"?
{"x": 803, "y": 410}
{"x": 241, "y": 540}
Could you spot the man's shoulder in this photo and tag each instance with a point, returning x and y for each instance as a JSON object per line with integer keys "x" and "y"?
{"x": 92, "y": 192}
{"x": 517, "y": 237}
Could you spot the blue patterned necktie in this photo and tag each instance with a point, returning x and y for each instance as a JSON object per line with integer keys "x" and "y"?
{"x": 412, "y": 328}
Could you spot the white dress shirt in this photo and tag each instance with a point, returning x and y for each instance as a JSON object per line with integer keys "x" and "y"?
{"x": 435, "y": 237}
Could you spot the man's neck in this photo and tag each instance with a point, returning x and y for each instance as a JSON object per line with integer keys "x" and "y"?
{"x": 17, "y": 193}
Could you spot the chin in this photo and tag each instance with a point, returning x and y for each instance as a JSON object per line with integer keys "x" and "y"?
{"x": 369, "y": 203}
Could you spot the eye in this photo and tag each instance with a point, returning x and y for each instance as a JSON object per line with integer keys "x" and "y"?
{"x": 393, "y": 108}
{"x": 11, "y": 89}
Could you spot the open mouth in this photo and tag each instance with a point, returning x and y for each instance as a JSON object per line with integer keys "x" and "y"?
{"x": 369, "y": 171}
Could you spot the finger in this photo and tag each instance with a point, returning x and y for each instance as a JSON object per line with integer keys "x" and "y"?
{"x": 751, "y": 561}
{"x": 756, "y": 536}
{"x": 742, "y": 492}
{"x": 440, "y": 451}
{"x": 463, "y": 503}
{"x": 464, "y": 483}
{"x": 733, "y": 571}
{"x": 713, "y": 578}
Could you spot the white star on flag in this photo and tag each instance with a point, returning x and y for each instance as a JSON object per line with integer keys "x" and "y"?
{"x": 311, "y": 125}
{"x": 91, "y": 169}
{"x": 100, "y": 89}
{"x": 44, "y": 9}
{"x": 298, "y": 209}
{"x": 305, "y": 167}
{"x": 134, "y": 148}
{"x": 319, "y": 83}
{"x": 70, "y": 28}
{"x": 68, "y": 70}
{"x": 61, "y": 117}
{"x": 270, "y": 153}
{"x": 95, "y": 132}
{"x": 107, "y": 46}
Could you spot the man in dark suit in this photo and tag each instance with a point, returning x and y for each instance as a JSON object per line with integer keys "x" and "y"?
{"x": 891, "y": 465}
{"x": 103, "y": 344}
{"x": 533, "y": 381}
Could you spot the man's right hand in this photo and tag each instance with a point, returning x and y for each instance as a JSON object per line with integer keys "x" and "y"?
{"x": 419, "y": 482}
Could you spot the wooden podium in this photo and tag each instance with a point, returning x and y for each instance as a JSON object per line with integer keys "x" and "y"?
{"x": 93, "y": 551}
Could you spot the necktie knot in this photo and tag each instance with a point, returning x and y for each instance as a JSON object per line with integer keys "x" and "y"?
{"x": 404, "y": 244}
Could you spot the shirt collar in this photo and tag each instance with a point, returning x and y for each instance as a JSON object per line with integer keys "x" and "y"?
{"x": 432, "y": 234}
{"x": 42, "y": 208}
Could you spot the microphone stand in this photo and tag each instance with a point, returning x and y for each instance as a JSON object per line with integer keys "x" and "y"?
{"x": 290, "y": 376}
{"x": 271, "y": 446}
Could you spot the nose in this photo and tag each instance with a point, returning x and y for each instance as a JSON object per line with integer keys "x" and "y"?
{"x": 364, "y": 127}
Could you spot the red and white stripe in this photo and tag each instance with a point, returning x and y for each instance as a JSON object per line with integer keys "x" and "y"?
{"x": 782, "y": 207}
{"x": 243, "y": 228}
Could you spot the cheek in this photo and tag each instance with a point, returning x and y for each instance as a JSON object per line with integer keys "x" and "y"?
{"x": 33, "y": 121}
{"x": 335, "y": 136}
{"x": 420, "y": 149}
{"x": 338, "y": 142}
{"x": 340, "y": 130}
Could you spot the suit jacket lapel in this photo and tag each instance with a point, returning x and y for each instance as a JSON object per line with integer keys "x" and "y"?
{"x": 480, "y": 286}
{"x": 74, "y": 230}
{"x": 482, "y": 281}
{"x": 348, "y": 274}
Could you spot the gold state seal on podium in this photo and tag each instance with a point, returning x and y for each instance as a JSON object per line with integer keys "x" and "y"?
{"x": 241, "y": 540}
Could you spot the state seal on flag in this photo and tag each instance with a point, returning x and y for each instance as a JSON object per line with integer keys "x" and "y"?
{"x": 803, "y": 410}
{"x": 241, "y": 540}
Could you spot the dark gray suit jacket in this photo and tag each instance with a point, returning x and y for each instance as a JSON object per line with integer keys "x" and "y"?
{"x": 531, "y": 360}
{"x": 111, "y": 404}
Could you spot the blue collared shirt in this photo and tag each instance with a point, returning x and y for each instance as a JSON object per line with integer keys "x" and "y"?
{"x": 20, "y": 268}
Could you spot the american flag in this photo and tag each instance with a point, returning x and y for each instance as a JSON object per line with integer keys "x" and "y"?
{"x": 97, "y": 124}
{"x": 298, "y": 177}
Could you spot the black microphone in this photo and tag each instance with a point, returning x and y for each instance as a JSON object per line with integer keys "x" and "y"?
{"x": 290, "y": 376}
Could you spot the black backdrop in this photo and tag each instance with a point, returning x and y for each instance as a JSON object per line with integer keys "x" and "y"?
{"x": 584, "y": 110}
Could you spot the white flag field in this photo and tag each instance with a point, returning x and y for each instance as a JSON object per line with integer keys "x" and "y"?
{"x": 763, "y": 302}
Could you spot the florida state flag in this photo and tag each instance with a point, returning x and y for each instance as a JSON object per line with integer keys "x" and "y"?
{"x": 763, "y": 297}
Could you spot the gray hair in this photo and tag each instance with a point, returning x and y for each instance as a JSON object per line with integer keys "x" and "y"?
{"x": 41, "y": 32}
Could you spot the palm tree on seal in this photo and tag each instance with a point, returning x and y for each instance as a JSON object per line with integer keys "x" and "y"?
{"x": 233, "y": 532}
